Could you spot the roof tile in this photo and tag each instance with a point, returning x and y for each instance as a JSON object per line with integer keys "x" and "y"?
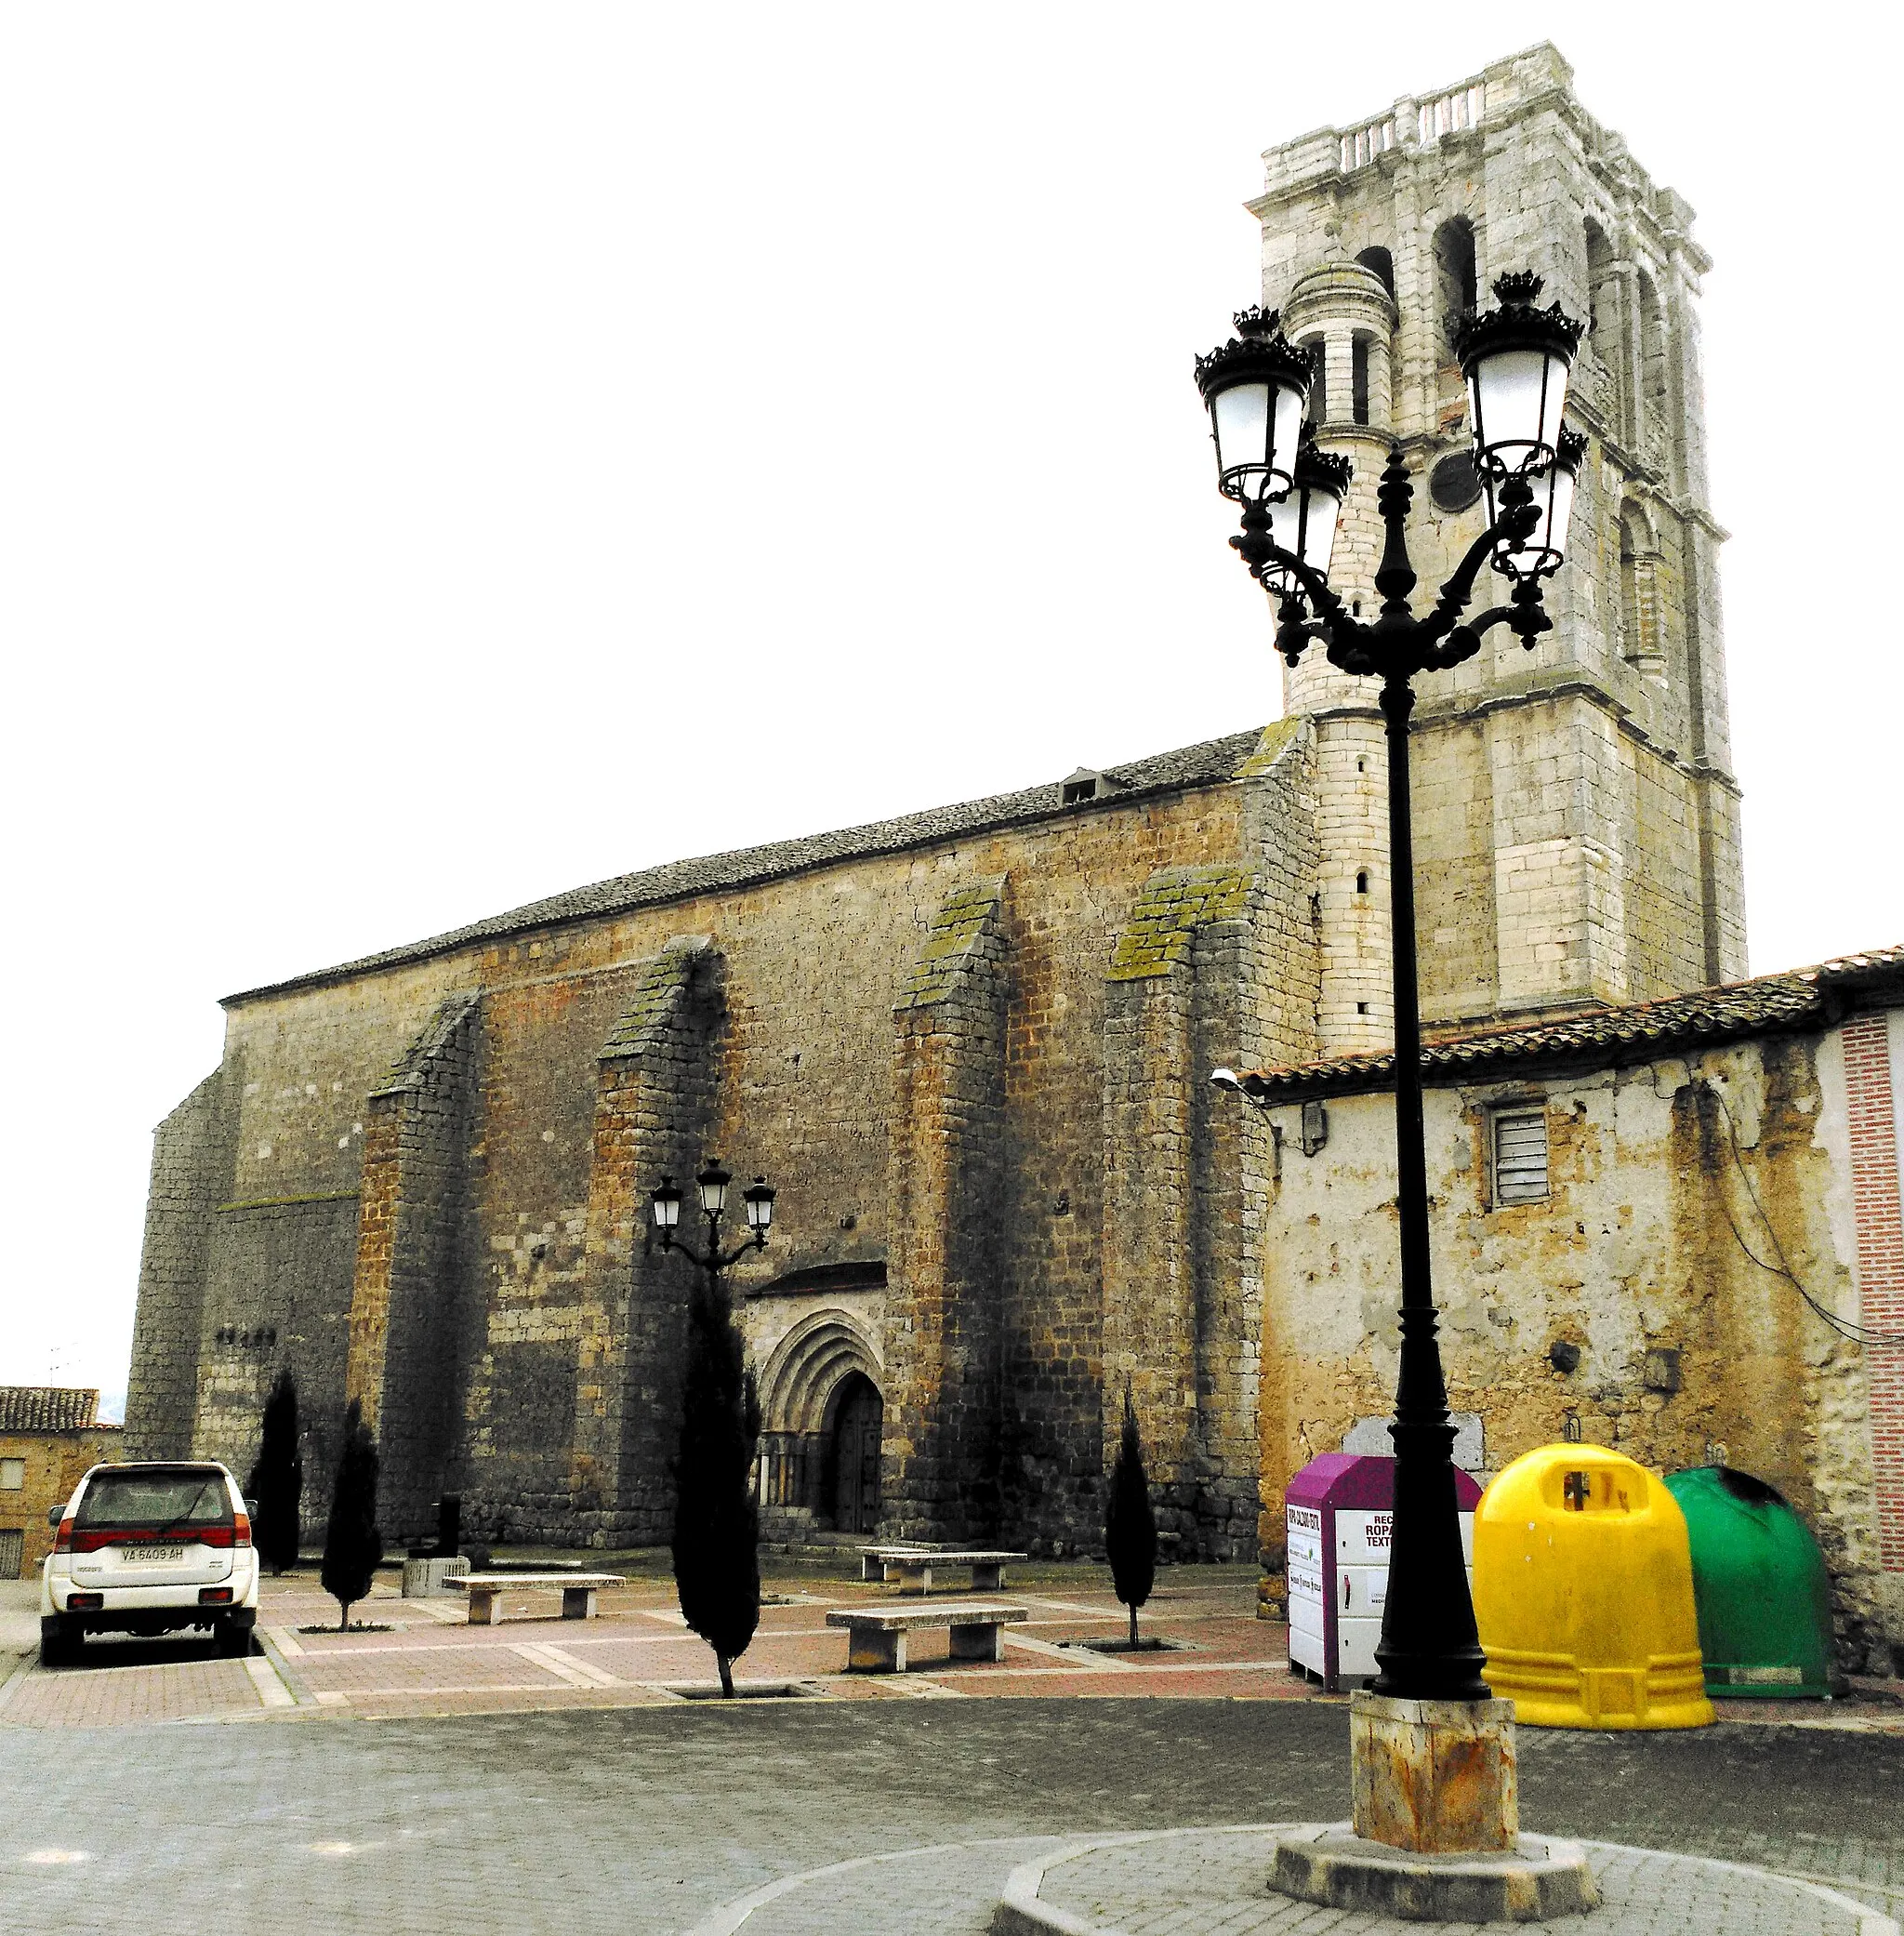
{"x": 1767, "y": 1003}
{"x": 47, "y": 1408}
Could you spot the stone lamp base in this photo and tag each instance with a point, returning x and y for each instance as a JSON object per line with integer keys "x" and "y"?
{"x": 1436, "y": 1831}
{"x": 1434, "y": 1777}
{"x": 1539, "y": 1878}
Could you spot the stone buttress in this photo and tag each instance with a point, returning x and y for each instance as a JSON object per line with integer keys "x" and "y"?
{"x": 656, "y": 1091}
{"x": 410, "y": 1318}
{"x": 940, "y": 1454}
{"x": 1215, "y": 964}
{"x": 190, "y": 1175}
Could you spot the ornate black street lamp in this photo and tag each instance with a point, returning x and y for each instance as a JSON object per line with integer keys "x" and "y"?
{"x": 663, "y": 1215}
{"x": 1517, "y": 358}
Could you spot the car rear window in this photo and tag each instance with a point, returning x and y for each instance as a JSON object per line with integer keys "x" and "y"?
{"x": 155, "y": 1499}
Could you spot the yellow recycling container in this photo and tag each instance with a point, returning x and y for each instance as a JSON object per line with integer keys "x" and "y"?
{"x": 1583, "y": 1594}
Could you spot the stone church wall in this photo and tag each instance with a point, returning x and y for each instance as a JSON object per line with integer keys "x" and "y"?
{"x": 435, "y": 1196}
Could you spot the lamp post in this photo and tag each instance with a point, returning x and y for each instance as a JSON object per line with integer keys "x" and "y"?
{"x": 1515, "y": 359}
{"x": 710, "y": 1186}
{"x": 716, "y": 1540}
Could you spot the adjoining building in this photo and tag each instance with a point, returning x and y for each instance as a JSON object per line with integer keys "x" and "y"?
{"x": 972, "y": 1046}
{"x": 1672, "y": 1227}
{"x": 49, "y": 1437}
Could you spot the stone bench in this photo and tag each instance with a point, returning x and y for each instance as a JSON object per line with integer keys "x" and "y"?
{"x": 913, "y": 1565}
{"x": 876, "y": 1635}
{"x": 578, "y": 1591}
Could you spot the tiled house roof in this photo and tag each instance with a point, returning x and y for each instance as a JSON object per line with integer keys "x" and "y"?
{"x": 1806, "y": 998}
{"x": 47, "y": 1408}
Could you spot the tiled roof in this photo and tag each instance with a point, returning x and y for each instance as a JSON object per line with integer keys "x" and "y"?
{"x": 47, "y": 1408}
{"x": 1768, "y": 1004}
{"x": 1214, "y": 760}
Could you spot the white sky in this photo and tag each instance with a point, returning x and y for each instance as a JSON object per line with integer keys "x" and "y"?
{"x": 449, "y": 454}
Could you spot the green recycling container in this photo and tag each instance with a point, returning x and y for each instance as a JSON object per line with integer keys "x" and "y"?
{"x": 1760, "y": 1587}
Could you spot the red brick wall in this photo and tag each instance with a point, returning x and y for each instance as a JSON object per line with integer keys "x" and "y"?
{"x": 1880, "y": 1218}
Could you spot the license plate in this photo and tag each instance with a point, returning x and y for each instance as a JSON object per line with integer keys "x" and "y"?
{"x": 153, "y": 1556}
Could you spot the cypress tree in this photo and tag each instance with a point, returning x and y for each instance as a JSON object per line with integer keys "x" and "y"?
{"x": 276, "y": 1485}
{"x": 353, "y": 1546}
{"x": 1130, "y": 1525}
{"x": 717, "y": 1562}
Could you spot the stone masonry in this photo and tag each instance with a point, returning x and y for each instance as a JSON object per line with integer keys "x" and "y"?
{"x": 970, "y": 1047}
{"x": 1576, "y": 819}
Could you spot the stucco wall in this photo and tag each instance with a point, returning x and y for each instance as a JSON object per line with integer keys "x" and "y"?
{"x": 1668, "y": 1179}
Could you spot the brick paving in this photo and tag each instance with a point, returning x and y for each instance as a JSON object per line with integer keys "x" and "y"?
{"x": 145, "y": 1690}
{"x": 637, "y": 1654}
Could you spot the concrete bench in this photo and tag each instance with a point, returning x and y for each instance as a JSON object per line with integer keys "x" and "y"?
{"x": 913, "y": 1565}
{"x": 876, "y": 1635}
{"x": 578, "y": 1591}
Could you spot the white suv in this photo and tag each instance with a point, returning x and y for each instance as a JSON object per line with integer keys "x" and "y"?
{"x": 148, "y": 1548}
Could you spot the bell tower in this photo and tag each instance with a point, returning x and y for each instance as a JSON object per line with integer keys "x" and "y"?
{"x": 1576, "y": 818}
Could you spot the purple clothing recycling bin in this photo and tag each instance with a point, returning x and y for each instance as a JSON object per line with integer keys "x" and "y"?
{"x": 1339, "y": 1509}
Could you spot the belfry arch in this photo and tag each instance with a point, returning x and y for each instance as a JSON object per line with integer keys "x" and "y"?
{"x": 822, "y": 1405}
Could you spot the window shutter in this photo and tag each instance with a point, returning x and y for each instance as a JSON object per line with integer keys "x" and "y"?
{"x": 1520, "y": 1157}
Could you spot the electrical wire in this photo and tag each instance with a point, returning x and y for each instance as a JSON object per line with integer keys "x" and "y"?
{"x": 1846, "y": 1327}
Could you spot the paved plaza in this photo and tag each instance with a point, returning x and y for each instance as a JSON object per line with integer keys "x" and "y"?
{"x": 543, "y": 1775}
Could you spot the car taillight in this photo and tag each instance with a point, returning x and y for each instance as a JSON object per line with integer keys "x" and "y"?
{"x": 91, "y": 1539}
{"x": 241, "y": 1530}
{"x": 62, "y": 1540}
{"x": 213, "y": 1596}
{"x": 85, "y": 1602}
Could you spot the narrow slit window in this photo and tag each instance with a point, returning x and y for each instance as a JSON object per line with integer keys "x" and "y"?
{"x": 1362, "y": 881}
{"x": 1318, "y": 380}
{"x": 1358, "y": 379}
{"x": 1520, "y": 1156}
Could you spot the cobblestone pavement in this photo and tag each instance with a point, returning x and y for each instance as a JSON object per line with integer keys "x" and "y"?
{"x": 543, "y": 1775}
{"x": 651, "y": 1819}
{"x": 1197, "y": 1883}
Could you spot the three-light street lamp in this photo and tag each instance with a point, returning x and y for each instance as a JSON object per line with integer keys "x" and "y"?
{"x": 664, "y": 1217}
{"x": 1517, "y": 358}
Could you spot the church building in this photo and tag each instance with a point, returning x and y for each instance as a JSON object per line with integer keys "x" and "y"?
{"x": 972, "y": 1047}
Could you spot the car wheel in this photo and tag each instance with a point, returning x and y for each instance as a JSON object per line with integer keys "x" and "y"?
{"x": 232, "y": 1641}
{"x": 60, "y": 1640}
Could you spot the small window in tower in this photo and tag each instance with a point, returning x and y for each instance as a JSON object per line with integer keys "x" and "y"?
{"x": 1361, "y": 1008}
{"x": 1358, "y": 378}
{"x": 1520, "y": 1156}
{"x": 1318, "y": 380}
{"x": 1362, "y": 881}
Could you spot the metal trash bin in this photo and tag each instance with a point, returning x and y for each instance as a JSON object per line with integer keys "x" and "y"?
{"x": 1583, "y": 1594}
{"x": 1760, "y": 1587}
{"x": 1339, "y": 1509}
